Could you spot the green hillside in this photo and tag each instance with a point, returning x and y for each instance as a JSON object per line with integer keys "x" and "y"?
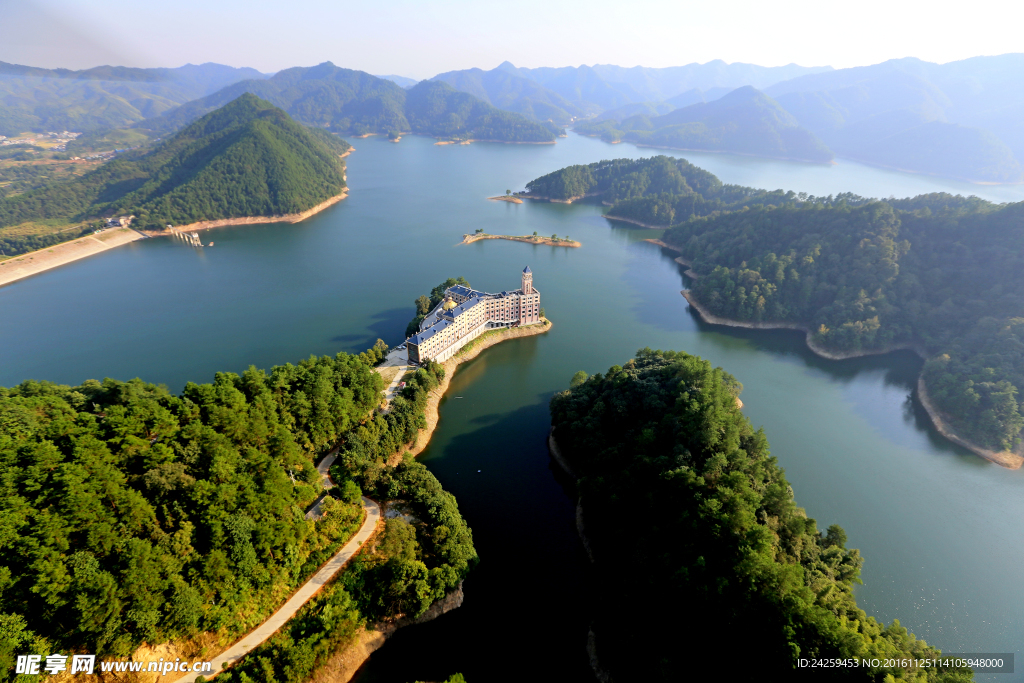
{"x": 746, "y": 121}
{"x": 511, "y": 92}
{"x": 691, "y": 525}
{"x": 34, "y": 99}
{"x": 938, "y": 271}
{"x": 247, "y": 158}
{"x": 356, "y": 103}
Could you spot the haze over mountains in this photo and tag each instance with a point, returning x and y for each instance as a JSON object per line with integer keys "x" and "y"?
{"x": 961, "y": 119}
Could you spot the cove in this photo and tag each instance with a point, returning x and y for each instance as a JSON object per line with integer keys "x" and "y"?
{"x": 938, "y": 526}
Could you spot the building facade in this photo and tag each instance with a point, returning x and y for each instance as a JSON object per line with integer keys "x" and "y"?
{"x": 465, "y": 314}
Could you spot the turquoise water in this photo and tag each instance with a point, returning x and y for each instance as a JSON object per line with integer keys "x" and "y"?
{"x": 939, "y": 527}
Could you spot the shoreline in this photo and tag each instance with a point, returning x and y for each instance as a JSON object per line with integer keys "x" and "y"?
{"x": 251, "y": 220}
{"x": 20, "y": 267}
{"x": 423, "y": 436}
{"x": 570, "y": 200}
{"x": 529, "y": 239}
{"x": 1009, "y": 460}
{"x": 678, "y": 259}
{"x": 505, "y": 198}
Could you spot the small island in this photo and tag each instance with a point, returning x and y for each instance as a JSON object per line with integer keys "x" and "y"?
{"x": 507, "y": 198}
{"x": 554, "y": 240}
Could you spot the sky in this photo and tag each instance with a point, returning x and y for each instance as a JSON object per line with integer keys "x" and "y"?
{"x": 422, "y": 39}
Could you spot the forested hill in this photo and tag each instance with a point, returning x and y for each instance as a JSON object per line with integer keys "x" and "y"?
{"x": 354, "y": 102}
{"x": 659, "y": 191}
{"x": 247, "y": 158}
{"x": 131, "y": 515}
{"x": 745, "y": 121}
{"x": 693, "y": 527}
{"x": 937, "y": 271}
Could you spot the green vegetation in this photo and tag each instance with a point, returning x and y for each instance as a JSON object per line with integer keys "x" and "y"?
{"x": 354, "y": 102}
{"x": 246, "y": 159}
{"x": 745, "y": 121}
{"x": 939, "y": 271}
{"x": 101, "y": 98}
{"x": 676, "y": 486}
{"x": 155, "y": 516}
{"x": 935, "y": 271}
{"x": 18, "y": 177}
{"x": 661, "y": 190}
{"x": 425, "y": 304}
{"x": 412, "y": 566}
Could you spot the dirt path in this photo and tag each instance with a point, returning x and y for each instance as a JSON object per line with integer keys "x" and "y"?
{"x": 298, "y": 599}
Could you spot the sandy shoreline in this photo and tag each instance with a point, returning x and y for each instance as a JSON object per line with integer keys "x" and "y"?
{"x": 529, "y": 239}
{"x": 504, "y": 198}
{"x": 42, "y": 260}
{"x": 570, "y": 200}
{"x": 252, "y": 220}
{"x": 1007, "y": 459}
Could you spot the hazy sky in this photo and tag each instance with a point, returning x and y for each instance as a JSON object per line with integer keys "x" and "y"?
{"x": 421, "y": 39}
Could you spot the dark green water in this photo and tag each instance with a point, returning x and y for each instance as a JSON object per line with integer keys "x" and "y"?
{"x": 939, "y": 527}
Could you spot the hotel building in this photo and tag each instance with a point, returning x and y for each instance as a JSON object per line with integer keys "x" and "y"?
{"x": 465, "y": 314}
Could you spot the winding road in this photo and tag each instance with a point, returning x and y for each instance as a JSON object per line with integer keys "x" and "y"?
{"x": 299, "y": 598}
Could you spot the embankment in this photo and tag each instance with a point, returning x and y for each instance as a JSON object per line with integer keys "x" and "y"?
{"x": 570, "y": 200}
{"x": 1008, "y": 459}
{"x": 36, "y": 262}
{"x": 529, "y": 239}
{"x": 253, "y": 220}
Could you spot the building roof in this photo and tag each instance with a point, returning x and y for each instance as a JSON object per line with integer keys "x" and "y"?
{"x": 429, "y": 332}
{"x": 527, "y": 269}
{"x": 462, "y": 308}
{"x": 461, "y": 290}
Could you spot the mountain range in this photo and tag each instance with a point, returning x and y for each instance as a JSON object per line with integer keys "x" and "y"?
{"x": 34, "y": 99}
{"x": 357, "y": 103}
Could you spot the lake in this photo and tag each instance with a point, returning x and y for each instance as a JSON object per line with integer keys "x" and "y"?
{"x": 939, "y": 527}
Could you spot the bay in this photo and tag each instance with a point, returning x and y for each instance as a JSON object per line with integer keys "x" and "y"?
{"x": 939, "y": 527}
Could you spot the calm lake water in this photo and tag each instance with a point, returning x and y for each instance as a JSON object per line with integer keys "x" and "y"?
{"x": 940, "y": 528}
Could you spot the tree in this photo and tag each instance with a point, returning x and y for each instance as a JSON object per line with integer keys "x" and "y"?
{"x": 579, "y": 378}
{"x": 534, "y": 233}
{"x": 508, "y": 192}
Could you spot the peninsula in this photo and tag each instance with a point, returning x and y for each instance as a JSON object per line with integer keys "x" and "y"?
{"x": 553, "y": 241}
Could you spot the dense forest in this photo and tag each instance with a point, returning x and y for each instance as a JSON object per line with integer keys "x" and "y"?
{"x": 354, "y": 102}
{"x": 936, "y": 271}
{"x": 660, "y": 191}
{"x": 675, "y": 484}
{"x": 247, "y": 158}
{"x": 151, "y": 517}
{"x": 745, "y": 121}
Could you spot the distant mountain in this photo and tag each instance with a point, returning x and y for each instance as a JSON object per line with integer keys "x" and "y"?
{"x": 695, "y": 95}
{"x": 34, "y": 99}
{"x": 354, "y": 102}
{"x": 648, "y": 109}
{"x": 602, "y": 87}
{"x": 746, "y": 121}
{"x": 963, "y": 119}
{"x": 400, "y": 80}
{"x": 248, "y": 158}
{"x": 506, "y": 90}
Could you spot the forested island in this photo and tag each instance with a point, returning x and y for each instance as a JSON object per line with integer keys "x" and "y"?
{"x": 746, "y": 121}
{"x": 675, "y": 482}
{"x": 162, "y": 518}
{"x": 938, "y": 273}
{"x": 247, "y": 158}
